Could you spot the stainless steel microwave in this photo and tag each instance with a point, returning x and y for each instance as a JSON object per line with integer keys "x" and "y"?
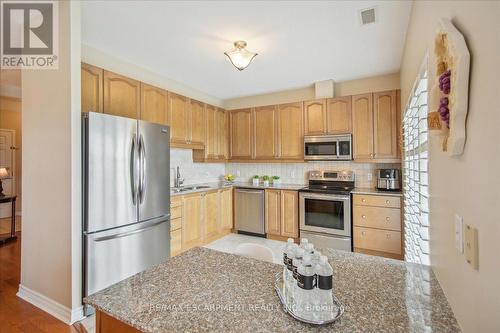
{"x": 328, "y": 147}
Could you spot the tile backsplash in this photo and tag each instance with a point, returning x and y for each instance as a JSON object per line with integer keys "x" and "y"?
{"x": 194, "y": 173}
{"x": 290, "y": 173}
{"x": 296, "y": 173}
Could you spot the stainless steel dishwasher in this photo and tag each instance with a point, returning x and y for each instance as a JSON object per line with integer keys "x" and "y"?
{"x": 249, "y": 211}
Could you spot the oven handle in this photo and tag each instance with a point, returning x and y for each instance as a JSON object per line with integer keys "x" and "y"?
{"x": 324, "y": 196}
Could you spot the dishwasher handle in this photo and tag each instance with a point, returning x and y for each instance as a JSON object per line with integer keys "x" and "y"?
{"x": 249, "y": 191}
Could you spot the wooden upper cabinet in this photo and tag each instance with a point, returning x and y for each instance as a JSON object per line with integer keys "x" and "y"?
{"x": 196, "y": 122}
{"x": 265, "y": 126}
{"x": 178, "y": 109}
{"x": 315, "y": 117}
{"x": 221, "y": 137}
{"x": 211, "y": 149}
{"x": 273, "y": 212}
{"x": 290, "y": 131}
{"x": 362, "y": 124}
{"x": 122, "y": 95}
{"x": 290, "y": 213}
{"x": 92, "y": 91}
{"x": 385, "y": 127}
{"x": 154, "y": 104}
{"x": 241, "y": 134}
{"x": 338, "y": 115}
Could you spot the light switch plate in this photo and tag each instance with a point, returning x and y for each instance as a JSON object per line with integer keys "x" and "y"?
{"x": 369, "y": 176}
{"x": 459, "y": 233}
{"x": 238, "y": 173}
{"x": 471, "y": 246}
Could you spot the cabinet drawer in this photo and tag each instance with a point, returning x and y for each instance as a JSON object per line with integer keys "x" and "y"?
{"x": 377, "y": 200}
{"x": 377, "y": 240}
{"x": 175, "y": 224}
{"x": 377, "y": 217}
{"x": 176, "y": 211}
{"x": 175, "y": 242}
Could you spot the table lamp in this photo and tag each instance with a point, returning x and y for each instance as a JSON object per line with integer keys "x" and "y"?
{"x": 4, "y": 174}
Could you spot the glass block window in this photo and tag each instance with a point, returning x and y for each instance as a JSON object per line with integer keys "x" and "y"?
{"x": 415, "y": 172}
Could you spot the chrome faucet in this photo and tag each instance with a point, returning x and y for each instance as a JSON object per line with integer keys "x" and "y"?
{"x": 178, "y": 182}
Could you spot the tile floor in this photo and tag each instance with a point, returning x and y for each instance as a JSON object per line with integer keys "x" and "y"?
{"x": 230, "y": 242}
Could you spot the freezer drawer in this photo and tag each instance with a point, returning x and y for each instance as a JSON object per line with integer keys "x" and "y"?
{"x": 249, "y": 211}
{"x": 114, "y": 255}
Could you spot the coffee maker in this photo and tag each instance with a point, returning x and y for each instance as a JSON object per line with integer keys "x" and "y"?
{"x": 389, "y": 180}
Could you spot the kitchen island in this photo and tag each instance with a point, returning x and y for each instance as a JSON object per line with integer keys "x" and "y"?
{"x": 207, "y": 290}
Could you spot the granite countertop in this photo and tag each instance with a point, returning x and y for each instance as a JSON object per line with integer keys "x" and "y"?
{"x": 220, "y": 185}
{"x": 361, "y": 190}
{"x": 207, "y": 290}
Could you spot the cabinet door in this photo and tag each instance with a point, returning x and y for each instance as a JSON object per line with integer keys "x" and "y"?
{"x": 273, "y": 212}
{"x": 385, "y": 127}
{"x": 226, "y": 204}
{"x": 211, "y": 148}
{"x": 192, "y": 232}
{"x": 362, "y": 124}
{"x": 221, "y": 137}
{"x": 92, "y": 80}
{"x": 241, "y": 134}
{"x": 211, "y": 214}
{"x": 154, "y": 104}
{"x": 197, "y": 122}
{"x": 290, "y": 131}
{"x": 122, "y": 96}
{"x": 315, "y": 117}
{"x": 338, "y": 115}
{"x": 265, "y": 126}
{"x": 175, "y": 242}
{"x": 178, "y": 109}
{"x": 290, "y": 213}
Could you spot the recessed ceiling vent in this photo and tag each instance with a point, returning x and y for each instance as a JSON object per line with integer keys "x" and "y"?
{"x": 367, "y": 16}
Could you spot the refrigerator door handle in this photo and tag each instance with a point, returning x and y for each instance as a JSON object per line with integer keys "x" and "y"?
{"x": 142, "y": 161}
{"x": 128, "y": 233}
{"x": 133, "y": 169}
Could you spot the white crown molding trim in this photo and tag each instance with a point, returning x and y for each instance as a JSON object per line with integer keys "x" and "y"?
{"x": 50, "y": 306}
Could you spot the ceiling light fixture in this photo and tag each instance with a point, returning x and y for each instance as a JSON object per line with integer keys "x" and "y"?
{"x": 239, "y": 56}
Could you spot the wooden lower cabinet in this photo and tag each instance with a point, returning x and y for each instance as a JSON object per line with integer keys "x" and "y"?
{"x": 377, "y": 225}
{"x": 211, "y": 207}
{"x": 282, "y": 213}
{"x": 106, "y": 324}
{"x": 200, "y": 218}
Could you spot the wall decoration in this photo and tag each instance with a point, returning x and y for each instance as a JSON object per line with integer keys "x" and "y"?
{"x": 450, "y": 93}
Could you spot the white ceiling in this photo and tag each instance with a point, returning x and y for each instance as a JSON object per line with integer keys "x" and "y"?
{"x": 299, "y": 42}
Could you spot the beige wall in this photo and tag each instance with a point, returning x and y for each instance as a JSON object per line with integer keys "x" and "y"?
{"x": 10, "y": 118}
{"x": 51, "y": 255}
{"x": 346, "y": 88}
{"x": 467, "y": 185}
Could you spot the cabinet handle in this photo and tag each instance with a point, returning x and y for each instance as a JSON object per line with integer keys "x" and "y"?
{"x": 362, "y": 233}
{"x": 387, "y": 201}
{"x": 363, "y": 200}
{"x": 363, "y": 216}
{"x": 387, "y": 236}
{"x": 387, "y": 218}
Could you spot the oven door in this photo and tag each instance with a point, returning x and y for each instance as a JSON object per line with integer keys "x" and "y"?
{"x": 320, "y": 148}
{"x": 325, "y": 213}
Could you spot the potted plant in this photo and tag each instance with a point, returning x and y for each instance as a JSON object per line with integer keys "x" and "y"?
{"x": 265, "y": 179}
{"x": 255, "y": 180}
{"x": 276, "y": 180}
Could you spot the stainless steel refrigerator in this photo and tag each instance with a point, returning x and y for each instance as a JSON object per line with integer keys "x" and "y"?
{"x": 126, "y": 185}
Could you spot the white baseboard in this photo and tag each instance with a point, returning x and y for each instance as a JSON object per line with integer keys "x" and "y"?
{"x": 50, "y": 306}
